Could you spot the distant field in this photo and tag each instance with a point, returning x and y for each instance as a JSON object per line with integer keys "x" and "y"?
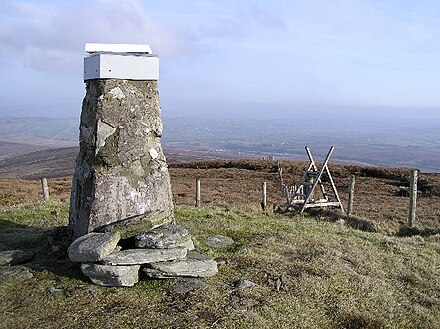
{"x": 46, "y": 163}
{"x": 60, "y": 162}
{"x": 62, "y": 129}
{"x": 9, "y": 149}
{"x": 388, "y": 144}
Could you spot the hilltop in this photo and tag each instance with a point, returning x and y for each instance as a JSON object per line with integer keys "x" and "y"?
{"x": 300, "y": 272}
{"x": 316, "y": 270}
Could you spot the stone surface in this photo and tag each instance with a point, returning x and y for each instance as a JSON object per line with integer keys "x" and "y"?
{"x": 195, "y": 265}
{"x": 348, "y": 263}
{"x": 186, "y": 285}
{"x": 14, "y": 257}
{"x": 111, "y": 276}
{"x": 188, "y": 245}
{"x": 244, "y": 284}
{"x": 121, "y": 170}
{"x": 219, "y": 241}
{"x": 166, "y": 236}
{"x": 20, "y": 272}
{"x": 56, "y": 292}
{"x": 144, "y": 256}
{"x": 93, "y": 247}
{"x": 221, "y": 261}
{"x": 132, "y": 226}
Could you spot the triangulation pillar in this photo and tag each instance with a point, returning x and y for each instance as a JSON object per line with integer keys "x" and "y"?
{"x": 121, "y": 170}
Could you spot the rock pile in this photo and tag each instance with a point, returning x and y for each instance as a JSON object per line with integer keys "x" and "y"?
{"x": 9, "y": 261}
{"x": 111, "y": 258}
{"x": 14, "y": 257}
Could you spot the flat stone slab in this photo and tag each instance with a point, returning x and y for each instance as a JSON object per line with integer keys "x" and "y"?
{"x": 186, "y": 285}
{"x": 166, "y": 236}
{"x": 196, "y": 265}
{"x": 20, "y": 272}
{"x": 14, "y": 257}
{"x": 144, "y": 256}
{"x": 56, "y": 292}
{"x": 111, "y": 276}
{"x": 219, "y": 241}
{"x": 244, "y": 284}
{"x": 188, "y": 245}
{"x": 93, "y": 247}
{"x": 132, "y": 226}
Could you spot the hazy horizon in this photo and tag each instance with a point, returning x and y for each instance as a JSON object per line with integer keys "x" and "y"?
{"x": 285, "y": 112}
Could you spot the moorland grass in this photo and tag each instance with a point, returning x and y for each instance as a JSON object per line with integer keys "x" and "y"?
{"x": 309, "y": 273}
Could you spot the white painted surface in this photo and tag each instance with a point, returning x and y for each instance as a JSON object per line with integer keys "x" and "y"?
{"x": 117, "y": 48}
{"x": 121, "y": 66}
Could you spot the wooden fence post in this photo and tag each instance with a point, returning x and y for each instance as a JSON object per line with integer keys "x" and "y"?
{"x": 263, "y": 196}
{"x": 45, "y": 189}
{"x": 197, "y": 192}
{"x": 412, "y": 198}
{"x": 280, "y": 176}
{"x": 351, "y": 195}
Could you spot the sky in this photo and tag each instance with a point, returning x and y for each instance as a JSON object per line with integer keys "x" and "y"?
{"x": 278, "y": 58}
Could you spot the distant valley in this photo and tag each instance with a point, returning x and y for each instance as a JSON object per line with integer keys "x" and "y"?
{"x": 366, "y": 143}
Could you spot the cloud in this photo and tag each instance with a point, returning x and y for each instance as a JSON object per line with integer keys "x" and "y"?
{"x": 50, "y": 38}
{"x": 265, "y": 18}
{"x": 240, "y": 21}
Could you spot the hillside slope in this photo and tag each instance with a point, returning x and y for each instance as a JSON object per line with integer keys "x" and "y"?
{"x": 304, "y": 273}
{"x": 49, "y": 163}
{"x": 60, "y": 162}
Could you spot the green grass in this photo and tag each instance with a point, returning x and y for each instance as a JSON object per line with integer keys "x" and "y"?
{"x": 43, "y": 215}
{"x": 332, "y": 277}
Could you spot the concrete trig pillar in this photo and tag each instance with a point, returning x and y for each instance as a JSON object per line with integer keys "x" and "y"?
{"x": 121, "y": 170}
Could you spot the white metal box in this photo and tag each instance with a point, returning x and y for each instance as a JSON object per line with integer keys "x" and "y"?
{"x": 120, "y": 61}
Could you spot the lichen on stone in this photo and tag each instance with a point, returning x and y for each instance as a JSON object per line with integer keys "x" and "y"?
{"x": 107, "y": 155}
{"x": 103, "y": 131}
{"x": 117, "y": 93}
{"x": 120, "y": 152}
{"x": 146, "y": 163}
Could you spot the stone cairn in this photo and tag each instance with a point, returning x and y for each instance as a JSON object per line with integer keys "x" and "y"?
{"x": 121, "y": 209}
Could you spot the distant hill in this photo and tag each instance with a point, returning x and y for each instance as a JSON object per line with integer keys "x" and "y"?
{"x": 387, "y": 144}
{"x": 62, "y": 129}
{"x": 60, "y": 162}
{"x": 47, "y": 163}
{"x": 20, "y": 136}
{"x": 9, "y": 149}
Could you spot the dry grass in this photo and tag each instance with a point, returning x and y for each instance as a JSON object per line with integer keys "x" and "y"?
{"x": 15, "y": 192}
{"x": 229, "y": 182}
{"x": 331, "y": 277}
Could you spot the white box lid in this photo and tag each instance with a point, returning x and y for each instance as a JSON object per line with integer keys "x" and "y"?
{"x": 120, "y": 61}
{"x": 117, "y": 48}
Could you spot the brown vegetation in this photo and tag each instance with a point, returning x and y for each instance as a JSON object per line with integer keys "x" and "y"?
{"x": 234, "y": 182}
{"x": 310, "y": 271}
